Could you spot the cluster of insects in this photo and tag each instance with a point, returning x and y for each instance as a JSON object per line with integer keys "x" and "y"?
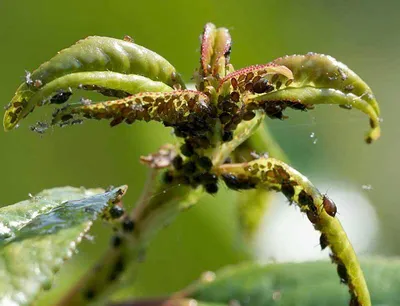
{"x": 210, "y": 122}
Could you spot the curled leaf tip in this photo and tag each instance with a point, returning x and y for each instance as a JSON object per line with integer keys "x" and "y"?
{"x": 215, "y": 50}
{"x": 316, "y": 79}
{"x": 110, "y": 66}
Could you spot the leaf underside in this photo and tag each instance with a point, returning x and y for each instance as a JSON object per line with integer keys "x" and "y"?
{"x": 39, "y": 234}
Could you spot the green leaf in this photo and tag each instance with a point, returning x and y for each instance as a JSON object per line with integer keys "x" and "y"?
{"x": 38, "y": 234}
{"x": 215, "y": 50}
{"x": 176, "y": 108}
{"x": 308, "y": 284}
{"x": 82, "y": 64}
{"x": 319, "y": 79}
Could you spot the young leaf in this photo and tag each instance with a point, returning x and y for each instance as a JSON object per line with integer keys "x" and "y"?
{"x": 215, "y": 50}
{"x": 172, "y": 108}
{"x": 317, "y": 79}
{"x": 93, "y": 54}
{"x": 38, "y": 234}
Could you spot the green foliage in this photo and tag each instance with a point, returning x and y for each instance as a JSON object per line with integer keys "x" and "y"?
{"x": 39, "y": 234}
{"x": 215, "y": 125}
{"x": 295, "y": 284}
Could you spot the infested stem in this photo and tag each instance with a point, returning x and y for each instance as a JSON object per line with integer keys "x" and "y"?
{"x": 157, "y": 206}
{"x": 275, "y": 175}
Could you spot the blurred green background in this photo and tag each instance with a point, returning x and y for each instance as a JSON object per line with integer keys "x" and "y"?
{"x": 362, "y": 34}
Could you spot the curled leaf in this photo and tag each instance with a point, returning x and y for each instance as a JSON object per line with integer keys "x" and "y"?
{"x": 171, "y": 108}
{"x": 255, "y": 79}
{"x": 93, "y": 54}
{"x": 275, "y": 175}
{"x": 317, "y": 79}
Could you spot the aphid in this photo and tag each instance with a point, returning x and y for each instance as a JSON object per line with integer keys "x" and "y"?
{"x": 233, "y": 182}
{"x": 207, "y": 178}
{"x": 189, "y": 167}
{"x": 205, "y": 163}
{"x": 116, "y": 212}
{"x": 225, "y": 118}
{"x": 128, "y": 225}
{"x": 247, "y": 116}
{"x": 187, "y": 149}
{"x": 116, "y": 241}
{"x": 306, "y": 199}
{"x": 177, "y": 162}
{"x": 323, "y": 241}
{"x": 275, "y": 78}
{"x": 66, "y": 117}
{"x": 288, "y": 191}
{"x": 116, "y": 121}
{"x": 262, "y": 86}
{"x": 312, "y": 216}
{"x": 354, "y": 301}
{"x": 211, "y": 188}
{"x": 227, "y": 136}
{"x": 342, "y": 272}
{"x": 235, "y": 97}
{"x": 37, "y": 83}
{"x": 329, "y": 206}
{"x": 168, "y": 178}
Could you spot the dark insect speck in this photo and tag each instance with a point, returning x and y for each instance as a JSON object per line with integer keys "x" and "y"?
{"x": 288, "y": 191}
{"x": 211, "y": 188}
{"x": 128, "y": 225}
{"x": 187, "y": 149}
{"x": 306, "y": 200}
{"x": 116, "y": 212}
{"x": 61, "y": 97}
{"x": 342, "y": 272}
{"x": 177, "y": 162}
{"x": 189, "y": 167}
{"x": 227, "y": 136}
{"x": 66, "y": 117}
{"x": 323, "y": 241}
{"x": 205, "y": 163}
{"x": 233, "y": 182}
{"x": 116, "y": 241}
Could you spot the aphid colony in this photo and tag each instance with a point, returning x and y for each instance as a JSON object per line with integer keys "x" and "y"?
{"x": 210, "y": 123}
